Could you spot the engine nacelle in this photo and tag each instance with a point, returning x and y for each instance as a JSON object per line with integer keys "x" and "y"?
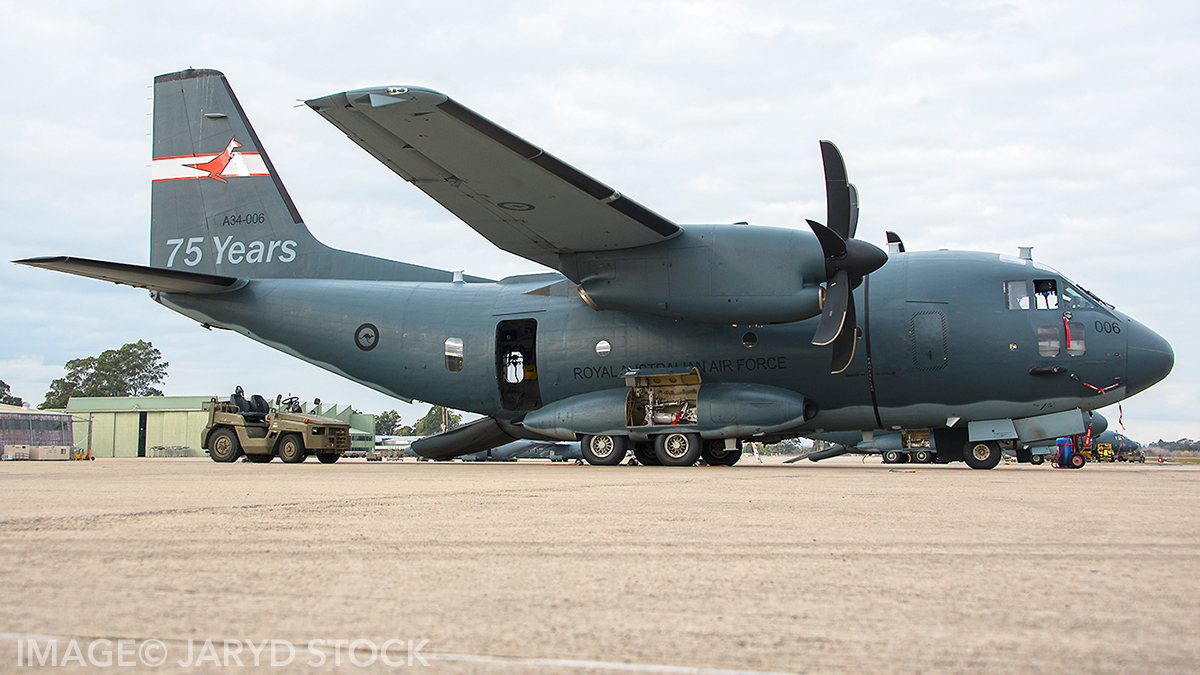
{"x": 709, "y": 274}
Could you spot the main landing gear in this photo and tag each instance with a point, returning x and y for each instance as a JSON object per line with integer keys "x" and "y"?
{"x": 676, "y": 448}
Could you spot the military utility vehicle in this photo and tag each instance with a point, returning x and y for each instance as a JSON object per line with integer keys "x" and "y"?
{"x": 253, "y": 428}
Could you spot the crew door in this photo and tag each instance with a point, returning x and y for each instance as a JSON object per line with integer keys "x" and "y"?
{"x": 516, "y": 364}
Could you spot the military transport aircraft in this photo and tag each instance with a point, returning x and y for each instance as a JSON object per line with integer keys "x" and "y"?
{"x": 673, "y": 339}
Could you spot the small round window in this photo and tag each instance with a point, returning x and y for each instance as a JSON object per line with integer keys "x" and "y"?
{"x": 749, "y": 339}
{"x": 603, "y": 348}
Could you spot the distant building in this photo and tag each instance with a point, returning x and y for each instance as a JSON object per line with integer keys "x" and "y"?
{"x": 170, "y": 426}
{"x": 20, "y": 426}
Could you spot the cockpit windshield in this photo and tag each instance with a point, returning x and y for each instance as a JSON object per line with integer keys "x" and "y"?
{"x": 1049, "y": 293}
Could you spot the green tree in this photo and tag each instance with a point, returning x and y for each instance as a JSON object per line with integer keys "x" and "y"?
{"x": 431, "y": 423}
{"x": 131, "y": 370}
{"x": 386, "y": 423}
{"x": 7, "y": 398}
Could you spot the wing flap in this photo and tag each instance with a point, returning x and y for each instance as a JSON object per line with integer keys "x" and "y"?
{"x": 520, "y": 198}
{"x": 138, "y": 276}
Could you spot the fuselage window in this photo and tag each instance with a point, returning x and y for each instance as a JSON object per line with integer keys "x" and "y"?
{"x": 454, "y": 354}
{"x": 1016, "y": 294}
{"x": 1075, "y": 341}
{"x": 1049, "y": 340}
{"x": 1045, "y": 293}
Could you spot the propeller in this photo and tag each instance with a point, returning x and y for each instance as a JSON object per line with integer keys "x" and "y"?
{"x": 847, "y": 261}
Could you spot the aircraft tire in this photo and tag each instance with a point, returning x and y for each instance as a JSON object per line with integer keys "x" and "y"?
{"x": 1037, "y": 459}
{"x": 922, "y": 457}
{"x": 644, "y": 454}
{"x": 893, "y": 457}
{"x": 291, "y": 449}
{"x": 223, "y": 445}
{"x": 603, "y": 450}
{"x": 260, "y": 459}
{"x": 328, "y": 457}
{"x": 677, "y": 448}
{"x": 1076, "y": 462}
{"x": 715, "y": 454}
{"x": 982, "y": 455}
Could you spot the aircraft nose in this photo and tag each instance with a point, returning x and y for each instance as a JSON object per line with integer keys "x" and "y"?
{"x": 1150, "y": 358}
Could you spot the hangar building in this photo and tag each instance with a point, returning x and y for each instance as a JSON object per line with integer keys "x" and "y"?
{"x": 170, "y": 426}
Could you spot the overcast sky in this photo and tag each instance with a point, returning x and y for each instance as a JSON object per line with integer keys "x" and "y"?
{"x": 1067, "y": 126}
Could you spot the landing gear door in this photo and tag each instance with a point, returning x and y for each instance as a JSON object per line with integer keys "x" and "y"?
{"x": 516, "y": 364}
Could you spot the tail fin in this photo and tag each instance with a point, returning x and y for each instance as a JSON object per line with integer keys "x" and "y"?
{"x": 217, "y": 204}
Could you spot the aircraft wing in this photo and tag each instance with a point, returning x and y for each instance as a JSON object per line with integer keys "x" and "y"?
{"x": 520, "y": 198}
{"x": 138, "y": 276}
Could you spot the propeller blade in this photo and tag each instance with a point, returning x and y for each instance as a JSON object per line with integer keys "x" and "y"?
{"x": 832, "y": 246}
{"x": 847, "y": 261}
{"x": 853, "y": 209}
{"x": 846, "y": 341}
{"x": 837, "y": 191}
{"x": 837, "y": 304}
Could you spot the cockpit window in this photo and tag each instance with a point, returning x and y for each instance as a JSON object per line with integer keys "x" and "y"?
{"x": 1045, "y": 293}
{"x": 1016, "y": 294}
{"x": 1075, "y": 299}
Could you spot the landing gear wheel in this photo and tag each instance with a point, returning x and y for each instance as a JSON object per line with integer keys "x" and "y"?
{"x": 644, "y": 454}
{"x": 715, "y": 454}
{"x": 982, "y": 455}
{"x": 922, "y": 457}
{"x": 677, "y": 449}
{"x": 1037, "y": 459}
{"x": 260, "y": 459}
{"x": 1076, "y": 461}
{"x": 603, "y": 450}
{"x": 328, "y": 457}
{"x": 291, "y": 449}
{"x": 223, "y": 445}
{"x": 894, "y": 457}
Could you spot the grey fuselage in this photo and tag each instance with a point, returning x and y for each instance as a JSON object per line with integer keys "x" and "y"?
{"x": 938, "y": 342}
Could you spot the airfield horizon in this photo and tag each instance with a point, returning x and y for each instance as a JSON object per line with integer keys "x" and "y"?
{"x": 840, "y": 566}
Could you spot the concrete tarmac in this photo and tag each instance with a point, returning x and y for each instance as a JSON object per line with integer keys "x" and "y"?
{"x": 840, "y": 567}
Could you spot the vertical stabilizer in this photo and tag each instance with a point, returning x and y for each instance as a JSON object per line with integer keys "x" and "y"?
{"x": 217, "y": 204}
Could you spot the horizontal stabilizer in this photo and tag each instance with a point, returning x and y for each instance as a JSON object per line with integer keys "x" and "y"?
{"x": 139, "y": 276}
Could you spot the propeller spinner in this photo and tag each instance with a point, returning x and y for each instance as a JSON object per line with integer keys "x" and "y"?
{"x": 847, "y": 260}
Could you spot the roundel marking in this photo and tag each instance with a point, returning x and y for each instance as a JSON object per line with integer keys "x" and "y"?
{"x": 516, "y": 206}
{"x": 366, "y": 337}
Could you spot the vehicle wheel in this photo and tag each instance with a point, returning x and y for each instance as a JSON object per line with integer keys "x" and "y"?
{"x": 1037, "y": 459}
{"x": 892, "y": 457}
{"x": 223, "y": 445}
{"x": 677, "y": 449}
{"x": 1077, "y": 461}
{"x": 328, "y": 457}
{"x": 291, "y": 449}
{"x": 922, "y": 457}
{"x": 982, "y": 455}
{"x": 644, "y": 454}
{"x": 715, "y": 454}
{"x": 260, "y": 459}
{"x": 603, "y": 450}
